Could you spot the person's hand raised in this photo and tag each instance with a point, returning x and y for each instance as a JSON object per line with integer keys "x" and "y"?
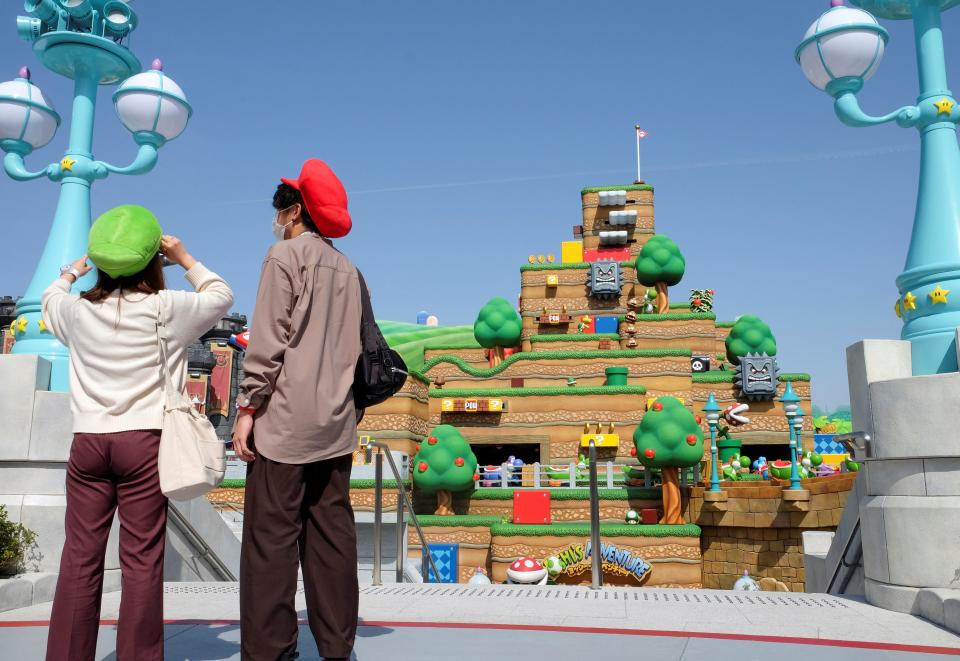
{"x": 174, "y": 250}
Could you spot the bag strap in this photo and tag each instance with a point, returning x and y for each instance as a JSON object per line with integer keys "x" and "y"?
{"x": 366, "y": 316}
{"x": 162, "y": 338}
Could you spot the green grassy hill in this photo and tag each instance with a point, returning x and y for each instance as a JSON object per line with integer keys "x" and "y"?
{"x": 410, "y": 340}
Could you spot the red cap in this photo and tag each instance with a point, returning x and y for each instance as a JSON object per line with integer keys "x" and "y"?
{"x": 324, "y": 197}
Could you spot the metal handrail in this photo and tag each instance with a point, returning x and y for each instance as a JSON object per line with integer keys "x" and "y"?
{"x": 402, "y": 503}
{"x": 842, "y": 561}
{"x": 596, "y": 581}
{"x": 195, "y": 539}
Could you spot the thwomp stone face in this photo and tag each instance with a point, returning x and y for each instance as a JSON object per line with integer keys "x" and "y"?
{"x": 604, "y": 280}
{"x": 757, "y": 376}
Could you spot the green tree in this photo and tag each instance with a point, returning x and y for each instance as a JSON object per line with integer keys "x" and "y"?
{"x": 749, "y": 335}
{"x": 668, "y": 438}
{"x": 660, "y": 264}
{"x": 497, "y": 327}
{"x": 444, "y": 464}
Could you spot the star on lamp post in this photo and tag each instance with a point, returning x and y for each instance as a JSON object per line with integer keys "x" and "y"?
{"x": 938, "y": 296}
{"x": 909, "y": 301}
{"x": 67, "y": 163}
{"x": 22, "y": 325}
{"x": 944, "y": 106}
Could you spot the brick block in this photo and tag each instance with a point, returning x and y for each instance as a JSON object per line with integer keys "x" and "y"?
{"x": 648, "y": 516}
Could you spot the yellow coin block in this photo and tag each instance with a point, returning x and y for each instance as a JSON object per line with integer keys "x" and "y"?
{"x": 571, "y": 252}
{"x": 553, "y": 280}
{"x": 446, "y": 405}
{"x": 601, "y": 440}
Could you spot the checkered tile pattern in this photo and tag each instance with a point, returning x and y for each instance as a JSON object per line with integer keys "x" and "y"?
{"x": 445, "y": 557}
{"x": 824, "y": 444}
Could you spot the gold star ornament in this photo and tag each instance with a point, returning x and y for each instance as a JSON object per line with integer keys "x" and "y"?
{"x": 909, "y": 301}
{"x": 938, "y": 295}
{"x": 67, "y": 164}
{"x": 944, "y": 106}
{"x": 896, "y": 308}
{"x": 22, "y": 325}
{"x": 43, "y": 326}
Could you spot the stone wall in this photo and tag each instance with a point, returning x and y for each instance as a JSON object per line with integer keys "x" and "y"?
{"x": 757, "y": 526}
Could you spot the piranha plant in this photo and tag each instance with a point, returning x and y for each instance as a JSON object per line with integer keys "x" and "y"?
{"x": 497, "y": 328}
{"x": 444, "y": 464}
{"x": 660, "y": 264}
{"x": 669, "y": 437}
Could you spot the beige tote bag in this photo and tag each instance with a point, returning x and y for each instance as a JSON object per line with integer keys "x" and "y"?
{"x": 192, "y": 459}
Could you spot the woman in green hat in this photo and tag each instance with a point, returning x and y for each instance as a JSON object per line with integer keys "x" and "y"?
{"x": 117, "y": 402}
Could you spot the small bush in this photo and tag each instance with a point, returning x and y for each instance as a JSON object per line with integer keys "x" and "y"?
{"x": 14, "y": 542}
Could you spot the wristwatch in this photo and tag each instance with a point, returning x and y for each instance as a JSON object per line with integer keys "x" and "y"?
{"x": 68, "y": 269}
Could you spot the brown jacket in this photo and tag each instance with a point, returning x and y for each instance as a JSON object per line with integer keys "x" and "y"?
{"x": 304, "y": 346}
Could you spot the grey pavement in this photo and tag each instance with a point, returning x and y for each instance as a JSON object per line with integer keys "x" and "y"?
{"x": 518, "y": 622}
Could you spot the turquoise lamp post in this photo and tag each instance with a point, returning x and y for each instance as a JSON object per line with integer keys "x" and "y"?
{"x": 791, "y": 404}
{"x": 712, "y": 409}
{"x": 840, "y": 51}
{"x": 797, "y": 431}
{"x": 85, "y": 41}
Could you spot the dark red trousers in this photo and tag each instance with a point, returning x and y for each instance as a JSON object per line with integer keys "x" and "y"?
{"x": 107, "y": 471}
{"x": 298, "y": 514}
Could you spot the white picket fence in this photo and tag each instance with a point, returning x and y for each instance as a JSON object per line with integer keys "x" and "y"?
{"x": 572, "y": 475}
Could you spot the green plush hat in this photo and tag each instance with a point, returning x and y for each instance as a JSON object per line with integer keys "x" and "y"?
{"x": 124, "y": 240}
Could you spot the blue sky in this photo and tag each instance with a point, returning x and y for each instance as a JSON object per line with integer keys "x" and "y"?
{"x": 464, "y": 132}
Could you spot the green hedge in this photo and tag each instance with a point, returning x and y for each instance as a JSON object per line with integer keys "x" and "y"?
{"x": 727, "y": 376}
{"x": 725, "y": 324}
{"x": 544, "y": 391}
{"x": 354, "y": 484}
{"x": 486, "y": 372}
{"x": 471, "y": 520}
{"x": 597, "y": 189}
{"x": 496, "y": 493}
{"x": 674, "y": 316}
{"x": 583, "y": 529}
{"x": 564, "y": 266}
{"x": 575, "y": 337}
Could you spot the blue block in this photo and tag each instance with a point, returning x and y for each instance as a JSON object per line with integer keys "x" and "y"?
{"x": 825, "y": 444}
{"x": 606, "y": 325}
{"x": 446, "y": 557}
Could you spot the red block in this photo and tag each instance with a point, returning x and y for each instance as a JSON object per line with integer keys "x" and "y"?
{"x": 531, "y": 506}
{"x": 648, "y": 516}
{"x": 601, "y": 254}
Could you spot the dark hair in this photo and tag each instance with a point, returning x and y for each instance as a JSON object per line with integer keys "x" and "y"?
{"x": 286, "y": 196}
{"x": 148, "y": 281}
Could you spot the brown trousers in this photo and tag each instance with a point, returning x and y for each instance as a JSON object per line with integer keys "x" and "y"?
{"x": 106, "y": 471}
{"x": 298, "y": 513}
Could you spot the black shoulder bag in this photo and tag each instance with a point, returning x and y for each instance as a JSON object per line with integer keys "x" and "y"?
{"x": 380, "y": 371}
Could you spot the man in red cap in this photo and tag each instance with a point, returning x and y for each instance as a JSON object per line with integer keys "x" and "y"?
{"x": 297, "y": 401}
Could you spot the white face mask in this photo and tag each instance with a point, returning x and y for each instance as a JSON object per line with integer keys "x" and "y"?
{"x": 279, "y": 231}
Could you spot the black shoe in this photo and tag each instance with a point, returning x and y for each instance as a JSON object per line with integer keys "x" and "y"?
{"x": 289, "y": 655}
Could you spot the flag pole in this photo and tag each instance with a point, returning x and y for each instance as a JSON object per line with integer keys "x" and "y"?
{"x": 637, "y": 131}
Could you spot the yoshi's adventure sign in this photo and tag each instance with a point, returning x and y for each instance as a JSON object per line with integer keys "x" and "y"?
{"x": 620, "y": 566}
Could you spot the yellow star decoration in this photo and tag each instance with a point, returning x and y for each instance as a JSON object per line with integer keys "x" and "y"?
{"x": 67, "y": 164}
{"x": 43, "y": 326}
{"x": 896, "y": 308}
{"x": 944, "y": 106}
{"x": 938, "y": 295}
{"x": 909, "y": 301}
{"x": 22, "y": 324}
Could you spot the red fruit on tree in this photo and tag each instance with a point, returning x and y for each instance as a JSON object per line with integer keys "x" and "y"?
{"x": 476, "y": 476}
{"x": 422, "y": 466}
{"x": 458, "y": 461}
{"x": 692, "y": 439}
{"x": 633, "y": 452}
{"x": 417, "y": 449}
{"x": 650, "y": 453}
{"x": 432, "y": 440}
{"x": 657, "y": 406}
{"x": 699, "y": 419}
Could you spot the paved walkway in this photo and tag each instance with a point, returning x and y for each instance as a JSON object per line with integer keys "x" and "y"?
{"x": 433, "y": 623}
